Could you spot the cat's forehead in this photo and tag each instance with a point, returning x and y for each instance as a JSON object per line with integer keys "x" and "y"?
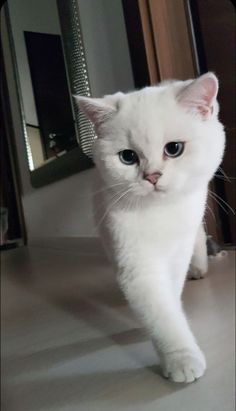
{"x": 147, "y": 96}
{"x": 148, "y": 106}
{"x": 149, "y": 115}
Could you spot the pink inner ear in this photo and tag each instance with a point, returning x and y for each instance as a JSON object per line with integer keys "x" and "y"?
{"x": 200, "y": 94}
{"x": 205, "y": 110}
{"x": 96, "y": 109}
{"x": 210, "y": 88}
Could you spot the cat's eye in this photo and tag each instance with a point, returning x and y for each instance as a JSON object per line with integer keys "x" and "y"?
{"x": 128, "y": 157}
{"x": 174, "y": 149}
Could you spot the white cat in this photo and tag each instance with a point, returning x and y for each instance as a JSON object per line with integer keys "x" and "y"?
{"x": 156, "y": 151}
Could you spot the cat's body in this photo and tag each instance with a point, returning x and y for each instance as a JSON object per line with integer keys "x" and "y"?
{"x": 135, "y": 228}
{"x": 150, "y": 202}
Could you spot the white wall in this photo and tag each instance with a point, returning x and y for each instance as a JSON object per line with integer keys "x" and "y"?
{"x": 64, "y": 209}
{"x": 106, "y": 46}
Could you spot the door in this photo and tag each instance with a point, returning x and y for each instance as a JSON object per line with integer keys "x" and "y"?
{"x": 214, "y": 28}
{"x": 168, "y": 43}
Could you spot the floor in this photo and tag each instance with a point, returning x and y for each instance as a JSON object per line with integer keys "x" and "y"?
{"x": 70, "y": 342}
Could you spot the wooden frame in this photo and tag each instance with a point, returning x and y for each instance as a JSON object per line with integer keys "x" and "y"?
{"x": 167, "y": 39}
{"x": 152, "y": 60}
{"x": 9, "y": 136}
{"x": 137, "y": 45}
{"x": 171, "y": 53}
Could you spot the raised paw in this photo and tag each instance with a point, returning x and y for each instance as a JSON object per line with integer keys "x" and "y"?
{"x": 184, "y": 366}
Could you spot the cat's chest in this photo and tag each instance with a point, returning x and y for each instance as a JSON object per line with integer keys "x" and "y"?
{"x": 156, "y": 225}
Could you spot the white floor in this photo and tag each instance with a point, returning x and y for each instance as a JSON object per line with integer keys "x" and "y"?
{"x": 70, "y": 343}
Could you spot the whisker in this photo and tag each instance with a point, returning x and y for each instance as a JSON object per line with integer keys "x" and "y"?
{"x": 221, "y": 177}
{"x": 132, "y": 202}
{"x": 223, "y": 201}
{"x": 107, "y": 188}
{"x": 214, "y": 198}
{"x": 101, "y": 190}
{"x": 111, "y": 197}
{"x": 211, "y": 211}
{"x": 224, "y": 173}
{"x": 205, "y": 225}
{"x": 98, "y": 210}
{"x": 112, "y": 205}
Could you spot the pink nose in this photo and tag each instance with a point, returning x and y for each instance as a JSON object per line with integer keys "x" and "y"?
{"x": 152, "y": 178}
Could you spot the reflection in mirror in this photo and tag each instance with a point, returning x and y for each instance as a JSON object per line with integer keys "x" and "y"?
{"x": 50, "y": 120}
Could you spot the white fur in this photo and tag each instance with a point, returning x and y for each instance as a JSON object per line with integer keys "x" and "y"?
{"x": 150, "y": 235}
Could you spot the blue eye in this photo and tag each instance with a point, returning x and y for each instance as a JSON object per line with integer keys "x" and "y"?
{"x": 174, "y": 149}
{"x": 128, "y": 157}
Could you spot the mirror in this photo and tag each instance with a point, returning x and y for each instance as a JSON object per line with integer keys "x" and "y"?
{"x": 50, "y": 66}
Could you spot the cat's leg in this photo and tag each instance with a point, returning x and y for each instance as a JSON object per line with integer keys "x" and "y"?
{"x": 154, "y": 300}
{"x": 199, "y": 263}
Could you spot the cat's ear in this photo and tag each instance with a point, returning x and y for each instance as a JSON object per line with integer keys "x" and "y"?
{"x": 200, "y": 95}
{"x": 98, "y": 110}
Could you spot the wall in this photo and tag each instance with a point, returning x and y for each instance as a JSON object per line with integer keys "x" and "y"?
{"x": 106, "y": 46}
{"x": 35, "y": 144}
{"x": 64, "y": 209}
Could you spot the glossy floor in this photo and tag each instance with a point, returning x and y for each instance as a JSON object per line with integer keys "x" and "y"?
{"x": 70, "y": 342}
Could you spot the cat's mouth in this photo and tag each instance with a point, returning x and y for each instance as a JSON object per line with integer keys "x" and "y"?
{"x": 147, "y": 189}
{"x": 159, "y": 189}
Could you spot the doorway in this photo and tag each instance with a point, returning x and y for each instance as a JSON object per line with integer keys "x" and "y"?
{"x": 182, "y": 39}
{"x": 216, "y": 52}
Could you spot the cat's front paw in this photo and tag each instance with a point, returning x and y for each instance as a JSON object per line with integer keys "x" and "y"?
{"x": 184, "y": 365}
{"x": 195, "y": 273}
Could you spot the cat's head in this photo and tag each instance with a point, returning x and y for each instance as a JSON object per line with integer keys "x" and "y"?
{"x": 159, "y": 140}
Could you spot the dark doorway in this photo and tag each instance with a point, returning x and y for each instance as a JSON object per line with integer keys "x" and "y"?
{"x": 52, "y": 99}
{"x": 214, "y": 27}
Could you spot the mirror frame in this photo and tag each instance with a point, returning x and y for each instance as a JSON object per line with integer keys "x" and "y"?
{"x": 79, "y": 158}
